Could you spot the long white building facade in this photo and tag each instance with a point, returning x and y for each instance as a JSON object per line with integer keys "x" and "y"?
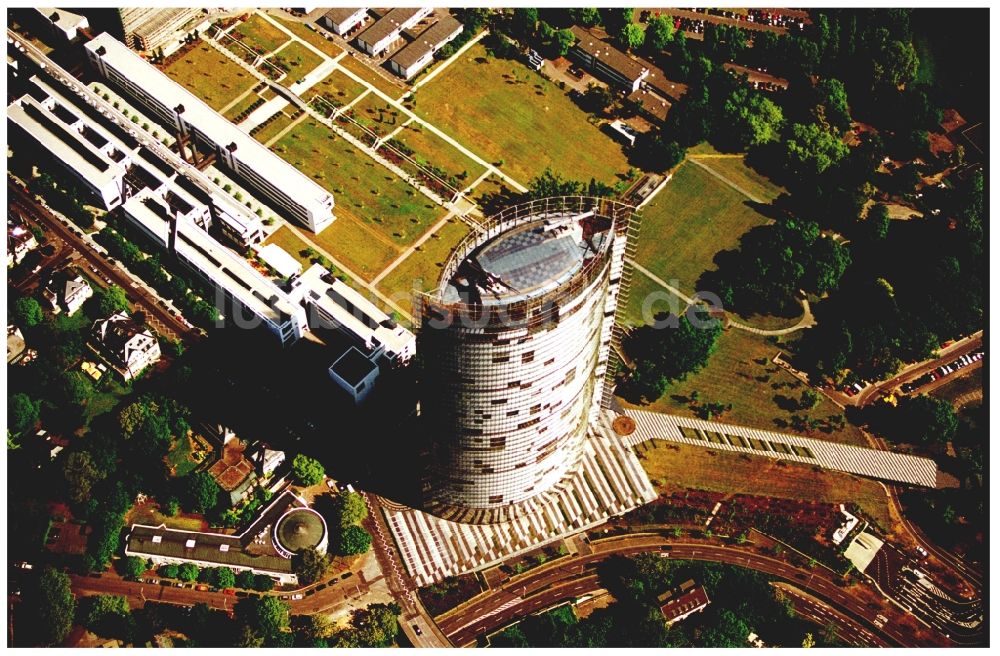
{"x": 267, "y": 174}
{"x": 516, "y": 343}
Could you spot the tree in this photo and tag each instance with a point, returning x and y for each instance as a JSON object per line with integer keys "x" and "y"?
{"x": 133, "y": 567}
{"x": 896, "y": 64}
{"x": 249, "y": 638}
{"x": 659, "y": 153}
{"x": 811, "y": 150}
{"x": 22, "y": 412}
{"x": 111, "y": 300}
{"x": 76, "y": 388}
{"x": 926, "y": 419}
{"x": 660, "y": 32}
{"x": 27, "y": 312}
{"x": 750, "y": 119}
{"x": 306, "y": 470}
{"x": 730, "y": 631}
{"x": 632, "y": 36}
{"x": 349, "y": 508}
{"x": 352, "y": 541}
{"x": 263, "y": 583}
{"x": 670, "y": 353}
{"x": 808, "y": 641}
{"x": 377, "y": 624}
{"x": 202, "y": 490}
{"x": 53, "y": 604}
{"x": 586, "y": 16}
{"x": 309, "y": 565}
{"x": 219, "y": 577}
{"x": 187, "y": 572}
{"x": 80, "y": 473}
{"x": 877, "y": 222}
{"x": 267, "y": 615}
{"x": 832, "y": 95}
{"x": 108, "y": 615}
{"x": 169, "y": 571}
{"x": 132, "y": 416}
{"x": 524, "y": 21}
{"x": 564, "y": 40}
{"x": 809, "y": 399}
{"x": 245, "y": 580}
{"x": 596, "y": 98}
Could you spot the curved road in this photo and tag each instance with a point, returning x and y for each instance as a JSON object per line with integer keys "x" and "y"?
{"x": 533, "y": 592}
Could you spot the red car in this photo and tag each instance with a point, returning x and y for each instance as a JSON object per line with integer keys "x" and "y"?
{"x": 230, "y": 591}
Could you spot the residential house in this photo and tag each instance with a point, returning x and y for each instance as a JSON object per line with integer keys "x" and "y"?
{"x": 20, "y": 241}
{"x": 129, "y": 347}
{"x": 66, "y": 293}
{"x": 686, "y": 599}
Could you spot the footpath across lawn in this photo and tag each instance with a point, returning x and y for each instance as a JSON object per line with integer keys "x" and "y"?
{"x": 502, "y": 110}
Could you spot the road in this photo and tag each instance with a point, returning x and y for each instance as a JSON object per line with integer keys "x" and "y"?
{"x": 825, "y": 615}
{"x": 547, "y": 586}
{"x": 947, "y": 355}
{"x": 159, "y": 317}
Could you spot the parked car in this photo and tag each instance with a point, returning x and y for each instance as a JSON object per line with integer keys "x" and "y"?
{"x": 416, "y": 629}
{"x": 297, "y": 596}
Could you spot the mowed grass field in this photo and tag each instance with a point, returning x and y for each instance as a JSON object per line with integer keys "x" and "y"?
{"x": 359, "y": 247}
{"x": 363, "y": 188}
{"x": 338, "y": 85}
{"x": 299, "y": 60}
{"x": 368, "y": 75}
{"x": 310, "y": 36}
{"x": 500, "y": 109}
{"x": 679, "y": 466}
{"x": 209, "y": 75}
{"x": 422, "y": 269}
{"x": 273, "y": 129}
{"x": 259, "y": 33}
{"x": 377, "y": 115}
{"x": 740, "y": 372}
{"x": 694, "y": 217}
{"x": 430, "y": 149}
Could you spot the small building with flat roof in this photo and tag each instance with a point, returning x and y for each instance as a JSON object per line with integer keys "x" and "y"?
{"x": 278, "y": 259}
{"x": 341, "y": 20}
{"x": 355, "y": 373}
{"x": 265, "y": 546}
{"x": 413, "y": 58}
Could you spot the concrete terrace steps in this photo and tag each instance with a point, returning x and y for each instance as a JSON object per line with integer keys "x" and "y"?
{"x": 609, "y": 481}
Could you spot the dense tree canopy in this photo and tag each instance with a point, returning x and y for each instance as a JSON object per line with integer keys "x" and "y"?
{"x": 202, "y": 491}
{"x": 306, "y": 470}
{"x": 352, "y": 541}
{"x": 27, "y": 313}
{"x": 54, "y": 606}
{"x": 22, "y": 412}
{"x": 349, "y": 508}
{"x": 309, "y": 565}
{"x": 662, "y": 355}
{"x": 811, "y": 150}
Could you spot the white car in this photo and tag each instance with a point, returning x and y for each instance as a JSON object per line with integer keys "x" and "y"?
{"x": 296, "y": 597}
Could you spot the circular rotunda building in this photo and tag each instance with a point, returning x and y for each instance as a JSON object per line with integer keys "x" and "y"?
{"x": 299, "y": 528}
{"x": 515, "y": 343}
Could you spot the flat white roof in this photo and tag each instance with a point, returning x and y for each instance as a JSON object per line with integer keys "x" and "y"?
{"x": 249, "y": 151}
{"x": 222, "y": 265}
{"x": 278, "y": 259}
{"x": 337, "y": 297}
{"x": 65, "y": 143}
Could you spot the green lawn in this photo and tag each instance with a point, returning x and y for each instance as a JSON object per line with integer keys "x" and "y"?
{"x": 641, "y": 289}
{"x": 370, "y": 76}
{"x": 694, "y": 217}
{"x": 297, "y": 59}
{"x": 740, "y": 372}
{"x": 179, "y": 457}
{"x": 363, "y": 250}
{"x": 394, "y": 210}
{"x": 241, "y": 106}
{"x": 272, "y": 129}
{"x": 289, "y": 241}
{"x": 501, "y": 109}
{"x": 734, "y": 170}
{"x": 422, "y": 268}
{"x": 258, "y": 33}
{"x": 310, "y": 36}
{"x": 209, "y": 75}
{"x": 430, "y": 149}
{"x": 337, "y": 87}
{"x": 377, "y": 115}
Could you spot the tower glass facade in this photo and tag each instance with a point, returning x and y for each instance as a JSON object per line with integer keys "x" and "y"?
{"x": 515, "y": 343}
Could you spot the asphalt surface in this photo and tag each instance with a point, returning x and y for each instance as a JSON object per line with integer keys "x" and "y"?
{"x": 159, "y": 317}
{"x": 544, "y": 588}
{"x": 824, "y": 615}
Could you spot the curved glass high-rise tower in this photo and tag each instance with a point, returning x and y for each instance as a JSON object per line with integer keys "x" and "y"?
{"x": 515, "y": 343}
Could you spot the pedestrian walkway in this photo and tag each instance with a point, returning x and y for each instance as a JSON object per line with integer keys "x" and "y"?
{"x": 873, "y": 463}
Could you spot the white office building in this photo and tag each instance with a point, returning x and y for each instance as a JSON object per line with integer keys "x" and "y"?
{"x": 264, "y": 172}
